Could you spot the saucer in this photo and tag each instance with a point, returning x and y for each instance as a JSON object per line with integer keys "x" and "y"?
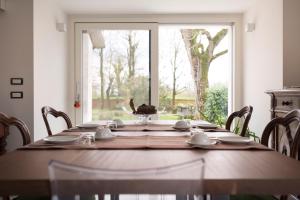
{"x": 235, "y": 140}
{"x": 61, "y": 139}
{"x": 181, "y": 128}
{"x": 207, "y": 126}
{"x": 105, "y": 137}
{"x": 213, "y": 142}
{"x": 88, "y": 125}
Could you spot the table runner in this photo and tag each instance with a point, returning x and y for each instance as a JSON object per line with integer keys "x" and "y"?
{"x": 144, "y": 142}
{"x": 148, "y": 127}
{"x": 138, "y": 128}
{"x": 131, "y": 127}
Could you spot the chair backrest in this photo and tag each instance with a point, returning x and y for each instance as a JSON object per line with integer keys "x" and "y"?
{"x": 245, "y": 113}
{"x": 67, "y": 180}
{"x": 6, "y": 122}
{"x": 283, "y": 134}
{"x": 46, "y": 110}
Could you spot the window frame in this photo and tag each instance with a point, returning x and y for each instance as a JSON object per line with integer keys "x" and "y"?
{"x": 233, "y": 19}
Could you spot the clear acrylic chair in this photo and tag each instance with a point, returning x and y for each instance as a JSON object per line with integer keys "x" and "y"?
{"x": 181, "y": 180}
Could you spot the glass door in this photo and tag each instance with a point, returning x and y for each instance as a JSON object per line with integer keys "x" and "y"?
{"x": 114, "y": 63}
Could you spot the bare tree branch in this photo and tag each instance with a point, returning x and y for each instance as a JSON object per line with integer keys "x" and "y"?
{"x": 179, "y": 91}
{"x": 219, "y": 54}
{"x": 204, "y": 32}
{"x": 219, "y": 36}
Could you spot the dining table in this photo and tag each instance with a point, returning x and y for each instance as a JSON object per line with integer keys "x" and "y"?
{"x": 229, "y": 168}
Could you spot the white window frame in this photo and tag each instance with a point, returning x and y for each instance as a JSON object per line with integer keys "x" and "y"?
{"x": 233, "y": 19}
{"x": 81, "y": 27}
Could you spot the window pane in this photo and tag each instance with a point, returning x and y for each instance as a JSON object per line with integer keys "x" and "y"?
{"x": 115, "y": 70}
{"x": 194, "y": 72}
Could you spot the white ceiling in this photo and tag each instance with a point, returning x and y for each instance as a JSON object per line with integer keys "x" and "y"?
{"x": 154, "y": 6}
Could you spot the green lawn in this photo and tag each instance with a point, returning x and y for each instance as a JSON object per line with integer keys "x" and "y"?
{"x": 169, "y": 117}
{"x": 111, "y": 114}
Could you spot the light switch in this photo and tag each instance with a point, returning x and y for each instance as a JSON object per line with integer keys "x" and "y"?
{"x": 16, "y": 81}
{"x": 16, "y": 95}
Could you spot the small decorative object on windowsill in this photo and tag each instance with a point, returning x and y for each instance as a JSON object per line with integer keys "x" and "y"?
{"x": 142, "y": 109}
{"x": 143, "y": 112}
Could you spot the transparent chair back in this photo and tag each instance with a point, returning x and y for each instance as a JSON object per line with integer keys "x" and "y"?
{"x": 72, "y": 182}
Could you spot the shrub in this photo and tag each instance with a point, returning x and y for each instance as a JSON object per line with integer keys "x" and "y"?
{"x": 216, "y": 104}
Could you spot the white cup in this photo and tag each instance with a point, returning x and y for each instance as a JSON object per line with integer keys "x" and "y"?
{"x": 182, "y": 124}
{"x": 200, "y": 138}
{"x": 195, "y": 131}
{"x": 103, "y": 132}
{"x": 118, "y": 122}
{"x": 112, "y": 124}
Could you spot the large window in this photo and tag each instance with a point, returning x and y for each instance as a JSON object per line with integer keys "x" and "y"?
{"x": 184, "y": 70}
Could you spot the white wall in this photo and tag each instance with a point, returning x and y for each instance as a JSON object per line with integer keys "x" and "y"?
{"x": 50, "y": 64}
{"x": 16, "y": 60}
{"x": 31, "y": 48}
{"x": 263, "y": 59}
{"x": 291, "y": 43}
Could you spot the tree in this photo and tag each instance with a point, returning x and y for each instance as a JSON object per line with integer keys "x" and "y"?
{"x": 139, "y": 92}
{"x": 164, "y": 99}
{"x": 109, "y": 89}
{"x": 110, "y": 77}
{"x": 131, "y": 53}
{"x": 131, "y": 59}
{"x": 118, "y": 69}
{"x": 201, "y": 57}
{"x": 174, "y": 64}
{"x": 101, "y": 78}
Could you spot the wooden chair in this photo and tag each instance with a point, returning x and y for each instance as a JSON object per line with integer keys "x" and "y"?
{"x": 286, "y": 141}
{"x": 5, "y": 123}
{"x": 245, "y": 113}
{"x": 46, "y": 110}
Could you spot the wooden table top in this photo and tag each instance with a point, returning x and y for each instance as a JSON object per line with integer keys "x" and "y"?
{"x": 226, "y": 171}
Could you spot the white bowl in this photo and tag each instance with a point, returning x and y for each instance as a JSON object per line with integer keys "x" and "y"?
{"x": 182, "y": 124}
{"x": 119, "y": 122}
{"x": 201, "y": 139}
{"x": 102, "y": 133}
